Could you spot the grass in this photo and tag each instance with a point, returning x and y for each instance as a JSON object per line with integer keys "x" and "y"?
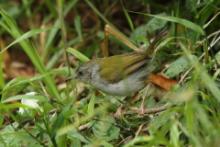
{"x": 53, "y": 38}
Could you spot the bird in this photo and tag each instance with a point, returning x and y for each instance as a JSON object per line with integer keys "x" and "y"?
{"x": 120, "y": 75}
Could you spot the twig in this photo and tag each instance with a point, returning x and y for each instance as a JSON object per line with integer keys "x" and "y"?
{"x": 139, "y": 130}
{"x": 152, "y": 110}
{"x": 211, "y": 20}
{"x": 213, "y": 42}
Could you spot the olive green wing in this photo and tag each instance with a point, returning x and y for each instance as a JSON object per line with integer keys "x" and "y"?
{"x": 118, "y": 67}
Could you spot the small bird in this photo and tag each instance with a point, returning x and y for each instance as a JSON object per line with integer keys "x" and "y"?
{"x": 120, "y": 75}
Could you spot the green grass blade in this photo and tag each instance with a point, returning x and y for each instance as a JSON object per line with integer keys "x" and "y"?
{"x": 205, "y": 78}
{"x": 184, "y": 22}
{"x": 78, "y": 55}
{"x": 56, "y": 27}
{"x": 31, "y": 52}
{"x": 2, "y": 82}
{"x": 97, "y": 12}
{"x": 24, "y": 36}
{"x": 128, "y": 18}
{"x": 77, "y": 23}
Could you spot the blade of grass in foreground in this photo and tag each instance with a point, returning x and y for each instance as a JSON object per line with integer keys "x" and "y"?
{"x": 184, "y": 22}
{"x": 24, "y": 36}
{"x": 11, "y": 27}
{"x": 93, "y": 7}
{"x": 55, "y": 28}
{"x": 19, "y": 82}
{"x": 78, "y": 55}
{"x": 208, "y": 82}
{"x": 2, "y": 81}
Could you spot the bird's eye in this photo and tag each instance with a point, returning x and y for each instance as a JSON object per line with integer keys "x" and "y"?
{"x": 80, "y": 73}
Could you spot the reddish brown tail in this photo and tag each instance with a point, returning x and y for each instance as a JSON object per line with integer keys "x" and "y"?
{"x": 162, "y": 81}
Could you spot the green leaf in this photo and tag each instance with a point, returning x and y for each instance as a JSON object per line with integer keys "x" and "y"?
{"x": 174, "y": 135}
{"x": 139, "y": 140}
{"x": 91, "y": 105}
{"x": 17, "y": 137}
{"x": 19, "y": 97}
{"x": 179, "y": 66}
{"x": 105, "y": 129}
{"x": 75, "y": 134}
{"x": 139, "y": 35}
{"x": 58, "y": 123}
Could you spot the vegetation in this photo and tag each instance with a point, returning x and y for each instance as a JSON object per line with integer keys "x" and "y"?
{"x": 43, "y": 42}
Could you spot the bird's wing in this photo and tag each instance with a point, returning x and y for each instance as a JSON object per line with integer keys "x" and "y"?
{"x": 115, "y": 68}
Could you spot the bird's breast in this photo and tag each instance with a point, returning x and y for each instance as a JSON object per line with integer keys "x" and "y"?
{"x": 125, "y": 87}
